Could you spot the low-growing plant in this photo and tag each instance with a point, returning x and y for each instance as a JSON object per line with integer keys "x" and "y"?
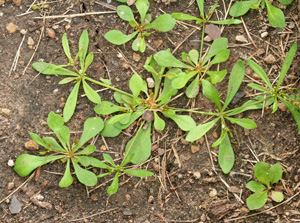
{"x": 262, "y": 188}
{"x": 162, "y": 23}
{"x": 78, "y": 76}
{"x": 275, "y": 15}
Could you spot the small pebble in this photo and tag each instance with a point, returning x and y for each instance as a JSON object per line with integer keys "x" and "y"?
{"x": 23, "y": 31}
{"x": 264, "y": 34}
{"x": 30, "y": 42}
{"x": 136, "y": 57}
{"x": 215, "y": 135}
{"x": 127, "y": 197}
{"x": 31, "y": 145}
{"x": 10, "y": 185}
{"x": 6, "y": 112}
{"x": 270, "y": 59}
{"x": 150, "y": 82}
{"x": 197, "y": 175}
{"x": 10, "y": 163}
{"x": 213, "y": 192}
{"x": 207, "y": 39}
{"x": 241, "y": 39}
{"x": 255, "y": 76}
{"x": 50, "y": 33}
{"x": 15, "y": 206}
{"x": 11, "y": 28}
{"x": 195, "y": 148}
{"x": 127, "y": 212}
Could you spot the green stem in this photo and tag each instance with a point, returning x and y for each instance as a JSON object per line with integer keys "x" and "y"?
{"x": 197, "y": 112}
{"x": 202, "y": 40}
{"x": 108, "y": 86}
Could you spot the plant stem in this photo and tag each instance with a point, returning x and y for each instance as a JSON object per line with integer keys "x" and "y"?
{"x": 197, "y": 112}
{"x": 108, "y": 86}
{"x": 201, "y": 43}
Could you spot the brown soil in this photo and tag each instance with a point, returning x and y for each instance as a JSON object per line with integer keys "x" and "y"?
{"x": 30, "y": 97}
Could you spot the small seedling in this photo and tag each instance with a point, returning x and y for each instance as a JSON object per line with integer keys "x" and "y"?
{"x": 78, "y": 77}
{"x": 162, "y": 23}
{"x": 262, "y": 189}
{"x": 274, "y": 93}
{"x": 195, "y": 65}
{"x": 275, "y": 15}
{"x": 65, "y": 151}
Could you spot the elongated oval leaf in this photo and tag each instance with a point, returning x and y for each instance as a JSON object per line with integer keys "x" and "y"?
{"x": 275, "y": 173}
{"x": 184, "y": 122}
{"x": 67, "y": 179}
{"x": 84, "y": 176}
{"x": 194, "y": 55}
{"x": 200, "y": 130}
{"x": 142, "y": 7}
{"x": 110, "y": 130}
{"x": 83, "y": 46}
{"x": 107, "y": 108}
{"x": 108, "y": 159}
{"x": 38, "y": 140}
{"x": 285, "y": 2}
{"x": 276, "y": 196}
{"x": 261, "y": 172}
{"x": 70, "y": 106}
{"x": 138, "y": 173}
{"x": 136, "y": 84}
{"x": 227, "y": 22}
{"x": 193, "y": 89}
{"x": 159, "y": 123}
{"x": 220, "y": 57}
{"x": 257, "y": 200}
{"x": 216, "y": 76}
{"x": 26, "y": 163}
{"x": 244, "y": 122}
{"x": 113, "y": 188}
{"x": 140, "y": 145}
{"x": 65, "y": 44}
{"x": 88, "y": 60}
{"x": 92, "y": 95}
{"x": 52, "y": 69}
{"x": 164, "y": 58}
{"x": 97, "y": 163}
{"x": 211, "y": 93}
{"x": 235, "y": 80}
{"x": 134, "y": 116}
{"x": 218, "y": 45}
{"x": 259, "y": 71}
{"x": 240, "y": 8}
{"x": 87, "y": 150}
{"x": 255, "y": 186}
{"x": 125, "y": 13}
{"x": 182, "y": 80}
{"x": 275, "y": 16}
{"x": 201, "y": 7}
{"x": 183, "y": 16}
{"x": 67, "y": 80}
{"x": 226, "y": 155}
{"x": 258, "y": 87}
{"x": 294, "y": 112}
{"x": 162, "y": 23}
{"x": 117, "y": 37}
{"x": 65, "y": 136}
{"x": 55, "y": 122}
{"x": 92, "y": 127}
{"x": 53, "y": 144}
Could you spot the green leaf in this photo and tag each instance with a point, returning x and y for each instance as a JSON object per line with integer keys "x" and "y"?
{"x": 261, "y": 172}
{"x": 118, "y": 38}
{"x": 226, "y": 155}
{"x": 55, "y": 122}
{"x": 88, "y": 60}
{"x": 220, "y": 139}
{"x": 108, "y": 159}
{"x": 125, "y": 13}
{"x": 134, "y": 116}
{"x": 201, "y": 7}
{"x": 107, "y": 108}
{"x": 87, "y": 150}
{"x": 52, "y": 69}
{"x": 26, "y": 163}
{"x": 65, "y": 136}
{"x": 53, "y": 144}
{"x": 142, "y": 7}
{"x": 162, "y": 23}
{"x": 275, "y": 16}
{"x": 255, "y": 186}
{"x": 137, "y": 43}
{"x": 240, "y": 8}
{"x": 113, "y": 188}
{"x": 67, "y": 80}
{"x": 285, "y": 2}
{"x": 67, "y": 179}
{"x": 286, "y": 64}
{"x": 84, "y": 176}
{"x": 38, "y": 140}
{"x": 200, "y": 130}
{"x": 275, "y": 173}
{"x": 140, "y": 145}
{"x": 258, "y": 87}
{"x": 220, "y": 57}
{"x": 166, "y": 93}
{"x": 83, "y": 160}
{"x": 194, "y": 55}
{"x": 257, "y": 200}
{"x": 65, "y": 44}
{"x": 105, "y": 81}
{"x": 164, "y": 58}
{"x": 97, "y": 163}
{"x": 83, "y": 46}
{"x": 218, "y": 45}
{"x": 211, "y": 93}
{"x": 294, "y": 112}
{"x": 184, "y": 122}
{"x": 183, "y": 16}
{"x": 92, "y": 127}
{"x": 136, "y": 84}
{"x": 259, "y": 71}
{"x": 182, "y": 79}
{"x": 276, "y": 196}
{"x": 159, "y": 123}
{"x": 70, "y": 106}
{"x": 110, "y": 130}
{"x": 142, "y": 47}
{"x": 138, "y": 173}
{"x": 227, "y": 22}
{"x": 91, "y": 94}
{"x": 244, "y": 122}
{"x": 216, "y": 76}
{"x": 193, "y": 89}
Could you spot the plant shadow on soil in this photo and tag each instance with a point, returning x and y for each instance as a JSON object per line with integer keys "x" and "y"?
{"x": 174, "y": 193}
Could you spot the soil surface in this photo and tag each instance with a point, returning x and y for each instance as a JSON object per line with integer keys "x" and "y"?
{"x": 189, "y": 191}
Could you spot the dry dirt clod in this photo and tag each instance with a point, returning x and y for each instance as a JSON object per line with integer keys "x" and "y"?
{"x": 264, "y": 34}
{"x": 213, "y": 192}
{"x": 207, "y": 39}
{"x": 15, "y": 206}
{"x": 150, "y": 82}
{"x": 215, "y": 135}
{"x": 255, "y": 76}
{"x": 195, "y": 148}
{"x": 50, "y": 33}
{"x": 241, "y": 39}
{"x": 136, "y": 57}
{"x": 17, "y": 2}
{"x": 31, "y": 145}
{"x": 6, "y": 112}
{"x": 148, "y": 116}
{"x": 10, "y": 185}
{"x": 11, "y": 27}
{"x": 197, "y": 175}
{"x": 127, "y": 212}
{"x": 30, "y": 42}
{"x": 270, "y": 59}
{"x": 23, "y": 31}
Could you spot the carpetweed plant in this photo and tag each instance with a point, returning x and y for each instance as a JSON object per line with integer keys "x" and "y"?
{"x": 65, "y": 151}
{"x": 275, "y": 15}
{"x": 262, "y": 188}
{"x": 162, "y": 23}
{"x": 148, "y": 108}
{"x": 195, "y": 65}
{"x": 78, "y": 76}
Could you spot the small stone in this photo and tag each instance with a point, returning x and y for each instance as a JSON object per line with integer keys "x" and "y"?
{"x": 215, "y": 135}
{"x": 17, "y": 2}
{"x": 15, "y": 206}
{"x": 127, "y": 197}
{"x": 62, "y": 105}
{"x": 10, "y": 185}
{"x": 195, "y": 148}
{"x": 136, "y": 57}
{"x": 148, "y": 116}
{"x": 6, "y": 112}
{"x": 31, "y": 145}
{"x": 103, "y": 148}
{"x": 264, "y": 34}
{"x": 245, "y": 210}
{"x": 207, "y": 39}
{"x": 260, "y": 52}
{"x": 270, "y": 59}
{"x": 203, "y": 217}
{"x": 68, "y": 26}
{"x": 197, "y": 175}
{"x": 127, "y": 212}
{"x": 30, "y": 41}
{"x": 158, "y": 43}
{"x": 241, "y": 39}
{"x": 23, "y": 31}
{"x": 50, "y": 33}
{"x": 150, "y": 82}
{"x": 55, "y": 91}
{"x": 213, "y": 192}
{"x": 11, "y": 28}
{"x": 10, "y": 163}
{"x": 150, "y": 199}
{"x": 17, "y": 76}
{"x": 282, "y": 106}
{"x": 255, "y": 76}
